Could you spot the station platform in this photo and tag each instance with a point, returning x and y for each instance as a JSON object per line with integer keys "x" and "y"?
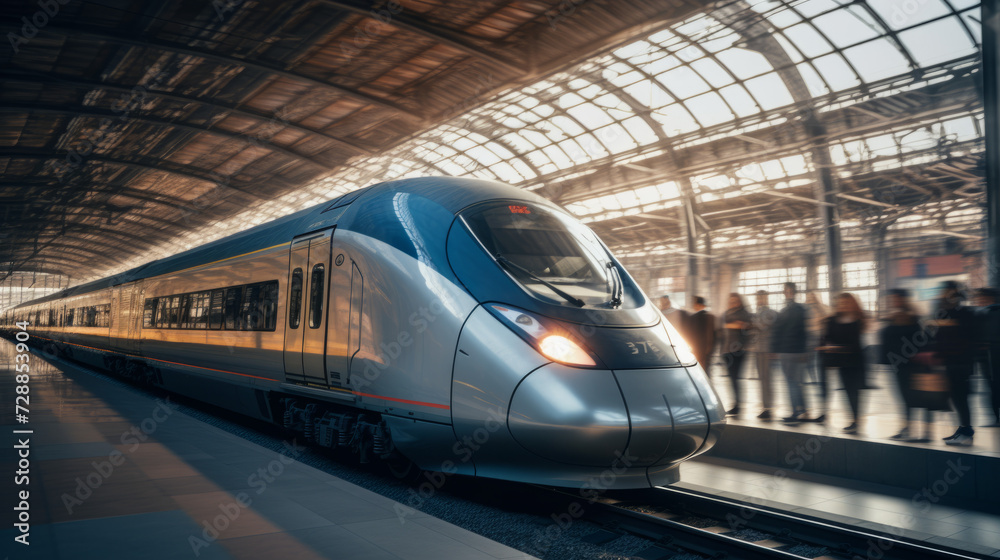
{"x": 116, "y": 473}
{"x": 870, "y": 455}
{"x": 877, "y": 508}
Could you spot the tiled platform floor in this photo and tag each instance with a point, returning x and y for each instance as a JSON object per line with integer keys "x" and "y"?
{"x": 881, "y": 408}
{"x": 97, "y": 491}
{"x": 869, "y": 506}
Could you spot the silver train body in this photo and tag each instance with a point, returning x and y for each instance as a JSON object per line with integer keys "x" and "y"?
{"x": 471, "y": 326}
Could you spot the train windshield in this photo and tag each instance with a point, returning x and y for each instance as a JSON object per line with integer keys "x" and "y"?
{"x": 551, "y": 254}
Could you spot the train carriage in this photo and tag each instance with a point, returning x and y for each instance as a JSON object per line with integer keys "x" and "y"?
{"x": 466, "y": 325}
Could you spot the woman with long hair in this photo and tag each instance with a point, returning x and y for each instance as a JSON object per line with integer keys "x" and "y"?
{"x": 841, "y": 348}
{"x": 736, "y": 324}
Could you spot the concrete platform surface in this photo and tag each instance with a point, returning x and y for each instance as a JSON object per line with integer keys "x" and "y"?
{"x": 115, "y": 473}
{"x": 885, "y": 509}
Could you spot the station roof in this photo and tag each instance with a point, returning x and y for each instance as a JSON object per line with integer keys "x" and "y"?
{"x": 205, "y": 119}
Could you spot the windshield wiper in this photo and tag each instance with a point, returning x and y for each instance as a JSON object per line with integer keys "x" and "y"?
{"x": 617, "y": 287}
{"x": 508, "y": 264}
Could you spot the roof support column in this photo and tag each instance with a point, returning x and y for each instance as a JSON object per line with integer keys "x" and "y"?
{"x": 691, "y": 235}
{"x": 882, "y": 268}
{"x": 991, "y": 91}
{"x": 826, "y": 191}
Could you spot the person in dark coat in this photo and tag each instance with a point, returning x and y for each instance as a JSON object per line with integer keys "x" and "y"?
{"x": 898, "y": 342}
{"x": 953, "y": 329}
{"x": 763, "y": 321}
{"x": 788, "y": 342}
{"x": 841, "y": 347}
{"x": 701, "y": 332}
{"x": 735, "y": 328}
{"x": 989, "y": 344}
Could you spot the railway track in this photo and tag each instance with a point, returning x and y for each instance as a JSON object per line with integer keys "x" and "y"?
{"x": 681, "y": 521}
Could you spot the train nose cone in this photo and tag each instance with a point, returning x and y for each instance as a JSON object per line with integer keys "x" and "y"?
{"x": 670, "y": 419}
{"x": 570, "y": 415}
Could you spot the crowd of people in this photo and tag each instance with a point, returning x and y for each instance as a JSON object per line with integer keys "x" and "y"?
{"x": 932, "y": 358}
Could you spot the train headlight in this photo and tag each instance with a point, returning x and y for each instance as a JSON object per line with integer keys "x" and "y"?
{"x": 543, "y": 335}
{"x": 562, "y": 349}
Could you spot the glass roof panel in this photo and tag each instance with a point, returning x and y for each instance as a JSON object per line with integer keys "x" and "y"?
{"x": 683, "y": 82}
{"x": 660, "y": 65}
{"x": 622, "y": 80}
{"x": 615, "y": 139}
{"x": 836, "y": 72}
{"x": 675, "y": 119}
{"x": 783, "y": 17}
{"x": 640, "y": 130}
{"x": 649, "y": 94}
{"x": 900, "y": 14}
{"x": 590, "y": 115}
{"x": 877, "y": 60}
{"x": 961, "y": 129}
{"x": 770, "y": 91}
{"x": 844, "y": 28}
{"x": 792, "y": 52}
{"x": 740, "y": 100}
{"x": 744, "y": 63}
{"x": 811, "y": 8}
{"x": 712, "y": 72}
{"x": 566, "y": 125}
{"x": 808, "y": 40}
{"x": 814, "y": 82}
{"x": 938, "y": 41}
{"x": 709, "y": 109}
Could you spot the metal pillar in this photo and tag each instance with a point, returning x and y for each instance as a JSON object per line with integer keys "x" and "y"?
{"x": 991, "y": 92}
{"x": 691, "y": 234}
{"x": 826, "y": 191}
{"x": 882, "y": 263}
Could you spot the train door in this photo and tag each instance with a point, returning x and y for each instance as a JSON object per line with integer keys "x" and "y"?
{"x": 308, "y": 300}
{"x": 116, "y": 331}
{"x": 132, "y": 306}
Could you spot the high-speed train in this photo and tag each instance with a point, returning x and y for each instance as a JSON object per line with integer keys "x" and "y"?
{"x": 468, "y": 325}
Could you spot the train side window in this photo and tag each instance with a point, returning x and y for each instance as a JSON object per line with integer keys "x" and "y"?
{"x": 174, "y": 312}
{"x": 161, "y": 315}
{"x": 149, "y": 313}
{"x": 215, "y": 310}
{"x": 316, "y": 282}
{"x": 184, "y": 311}
{"x": 269, "y": 304}
{"x": 250, "y": 310}
{"x": 198, "y": 314}
{"x": 295, "y": 299}
{"x": 231, "y": 307}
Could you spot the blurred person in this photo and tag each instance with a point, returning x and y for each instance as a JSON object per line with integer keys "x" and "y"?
{"x": 898, "y": 340}
{"x": 677, "y": 317}
{"x": 763, "y": 321}
{"x": 988, "y": 313}
{"x": 818, "y": 312}
{"x": 841, "y": 349}
{"x": 735, "y": 329}
{"x": 701, "y": 332}
{"x": 953, "y": 332}
{"x": 788, "y": 343}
